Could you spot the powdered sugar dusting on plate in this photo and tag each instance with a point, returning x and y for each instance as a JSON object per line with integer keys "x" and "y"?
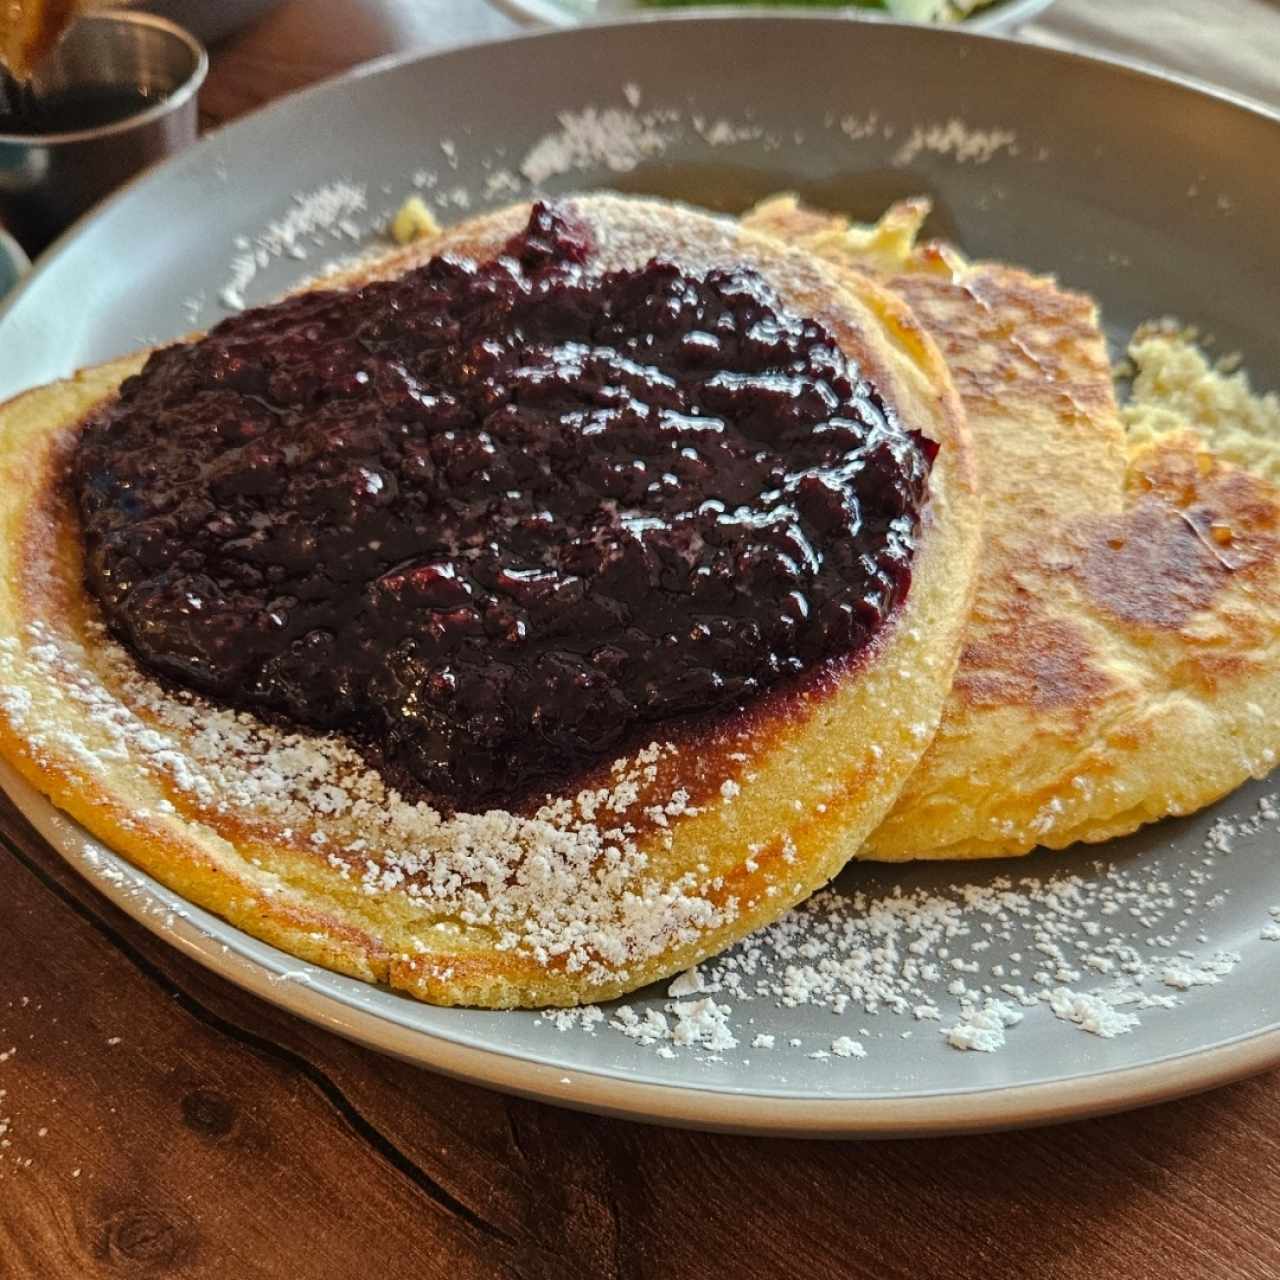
{"x": 590, "y": 138}
{"x": 954, "y": 138}
{"x": 328, "y": 211}
{"x": 1097, "y": 948}
{"x": 609, "y": 136}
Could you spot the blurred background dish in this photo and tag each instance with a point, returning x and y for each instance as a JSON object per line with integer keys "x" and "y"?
{"x": 983, "y": 15}
{"x": 116, "y": 94}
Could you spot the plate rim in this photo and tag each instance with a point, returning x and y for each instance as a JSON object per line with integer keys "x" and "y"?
{"x": 222, "y": 949}
{"x": 947, "y": 1111}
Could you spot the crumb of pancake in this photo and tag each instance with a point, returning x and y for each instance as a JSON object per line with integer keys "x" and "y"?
{"x": 414, "y": 221}
{"x": 1176, "y": 385}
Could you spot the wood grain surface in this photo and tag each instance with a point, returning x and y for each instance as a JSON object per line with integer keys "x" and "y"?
{"x": 157, "y": 1122}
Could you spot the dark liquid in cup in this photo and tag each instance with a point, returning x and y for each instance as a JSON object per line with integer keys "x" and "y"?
{"x": 70, "y": 110}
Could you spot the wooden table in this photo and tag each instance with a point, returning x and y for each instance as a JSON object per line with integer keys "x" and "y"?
{"x": 156, "y": 1122}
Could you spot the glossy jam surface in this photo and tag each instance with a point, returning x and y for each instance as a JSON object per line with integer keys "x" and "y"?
{"x": 495, "y": 520}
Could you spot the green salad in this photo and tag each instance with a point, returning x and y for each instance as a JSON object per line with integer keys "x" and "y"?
{"x": 909, "y": 10}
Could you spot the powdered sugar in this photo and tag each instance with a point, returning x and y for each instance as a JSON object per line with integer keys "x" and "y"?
{"x": 593, "y": 137}
{"x": 588, "y": 1017}
{"x": 1092, "y": 1012}
{"x": 685, "y": 984}
{"x": 982, "y": 958}
{"x": 960, "y": 141}
{"x": 619, "y": 139}
{"x": 315, "y": 217}
{"x": 611, "y": 137}
{"x": 702, "y": 1024}
{"x": 983, "y": 1029}
{"x": 1271, "y": 932}
{"x": 1183, "y": 973}
{"x": 567, "y": 883}
{"x": 845, "y": 1047}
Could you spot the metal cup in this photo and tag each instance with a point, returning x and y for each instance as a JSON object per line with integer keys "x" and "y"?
{"x": 48, "y": 180}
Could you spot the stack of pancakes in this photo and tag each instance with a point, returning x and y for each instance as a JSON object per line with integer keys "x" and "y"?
{"x": 1091, "y": 641}
{"x": 1119, "y": 664}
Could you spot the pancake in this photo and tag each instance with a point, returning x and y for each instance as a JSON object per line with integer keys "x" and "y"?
{"x": 1121, "y": 661}
{"x": 663, "y": 854}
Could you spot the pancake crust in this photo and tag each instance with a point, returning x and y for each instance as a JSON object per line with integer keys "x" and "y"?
{"x": 1121, "y": 661}
{"x": 666, "y": 856}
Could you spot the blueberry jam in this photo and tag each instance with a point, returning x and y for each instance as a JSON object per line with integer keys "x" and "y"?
{"x": 493, "y": 521}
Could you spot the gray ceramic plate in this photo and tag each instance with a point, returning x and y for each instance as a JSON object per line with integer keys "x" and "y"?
{"x": 1154, "y": 197}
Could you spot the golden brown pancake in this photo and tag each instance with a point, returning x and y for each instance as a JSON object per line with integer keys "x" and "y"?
{"x": 669, "y": 854}
{"x": 1121, "y": 660}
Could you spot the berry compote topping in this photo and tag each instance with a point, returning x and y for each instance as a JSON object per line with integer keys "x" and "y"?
{"x": 494, "y": 521}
